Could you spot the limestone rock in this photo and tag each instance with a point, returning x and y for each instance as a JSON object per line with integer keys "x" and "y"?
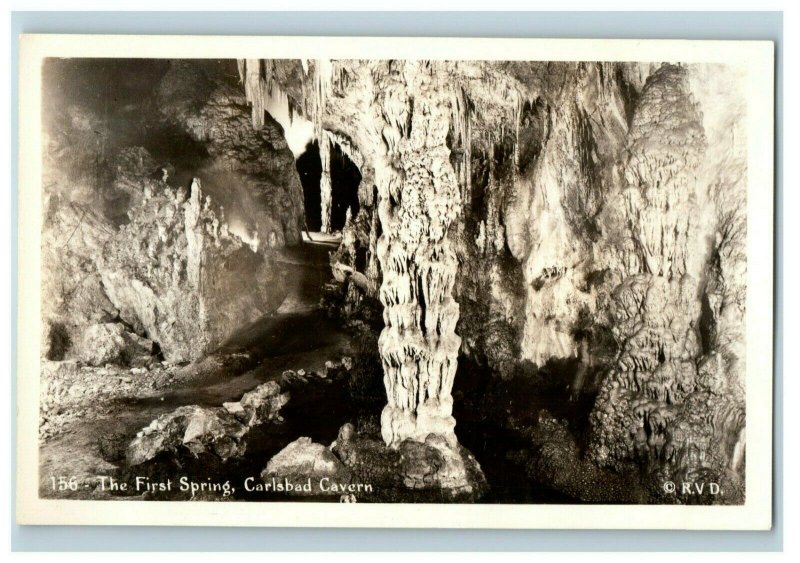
{"x": 72, "y": 236}
{"x": 111, "y": 343}
{"x": 219, "y": 430}
{"x": 433, "y": 467}
{"x": 567, "y": 209}
{"x": 514, "y": 212}
{"x": 125, "y": 237}
{"x": 262, "y": 404}
{"x": 72, "y": 392}
{"x": 669, "y": 401}
{"x": 250, "y": 171}
{"x": 303, "y": 462}
{"x": 192, "y": 428}
{"x": 437, "y": 464}
{"x": 177, "y": 274}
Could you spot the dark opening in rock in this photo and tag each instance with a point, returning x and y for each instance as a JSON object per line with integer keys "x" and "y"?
{"x": 309, "y": 168}
{"x": 345, "y": 178}
{"x": 59, "y": 342}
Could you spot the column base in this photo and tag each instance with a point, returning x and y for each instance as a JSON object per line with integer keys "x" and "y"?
{"x": 436, "y": 463}
{"x": 434, "y": 469}
{"x": 398, "y": 425}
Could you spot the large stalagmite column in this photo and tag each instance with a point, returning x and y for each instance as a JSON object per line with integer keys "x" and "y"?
{"x": 418, "y": 199}
{"x": 409, "y": 107}
{"x": 399, "y": 115}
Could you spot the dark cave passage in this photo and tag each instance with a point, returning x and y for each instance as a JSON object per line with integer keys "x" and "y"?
{"x": 345, "y": 179}
{"x": 309, "y": 167}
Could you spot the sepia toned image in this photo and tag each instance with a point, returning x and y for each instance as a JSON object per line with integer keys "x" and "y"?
{"x": 397, "y": 281}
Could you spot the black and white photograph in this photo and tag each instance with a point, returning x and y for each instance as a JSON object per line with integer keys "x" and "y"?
{"x": 389, "y": 281}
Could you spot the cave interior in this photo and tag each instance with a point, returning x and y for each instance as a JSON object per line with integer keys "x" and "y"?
{"x": 491, "y": 281}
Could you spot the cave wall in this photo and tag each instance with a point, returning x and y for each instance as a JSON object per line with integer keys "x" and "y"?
{"x": 164, "y": 208}
{"x": 673, "y": 399}
{"x": 249, "y": 171}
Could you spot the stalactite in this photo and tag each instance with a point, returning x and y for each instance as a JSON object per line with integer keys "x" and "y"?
{"x": 462, "y": 139}
{"x": 265, "y": 93}
{"x": 346, "y": 146}
{"x": 259, "y": 89}
{"x": 321, "y": 84}
{"x": 325, "y": 187}
{"x": 254, "y": 91}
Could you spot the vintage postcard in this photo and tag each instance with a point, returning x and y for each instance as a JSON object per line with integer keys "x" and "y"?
{"x": 306, "y": 281}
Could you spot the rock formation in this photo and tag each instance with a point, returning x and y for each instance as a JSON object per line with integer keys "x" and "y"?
{"x": 417, "y": 203}
{"x": 220, "y": 431}
{"x": 179, "y": 275}
{"x": 413, "y": 469}
{"x": 669, "y": 400}
{"x": 197, "y": 429}
{"x": 260, "y": 405}
{"x": 529, "y": 212}
{"x": 305, "y": 463}
{"x": 176, "y": 242}
{"x": 111, "y": 343}
{"x": 250, "y": 171}
{"x": 401, "y": 137}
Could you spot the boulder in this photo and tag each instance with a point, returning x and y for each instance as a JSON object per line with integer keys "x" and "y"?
{"x": 260, "y": 405}
{"x": 111, "y": 343}
{"x": 304, "y": 462}
{"x": 439, "y": 464}
{"x": 192, "y": 428}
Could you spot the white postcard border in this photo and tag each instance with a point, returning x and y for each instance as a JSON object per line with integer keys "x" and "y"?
{"x": 755, "y": 514}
